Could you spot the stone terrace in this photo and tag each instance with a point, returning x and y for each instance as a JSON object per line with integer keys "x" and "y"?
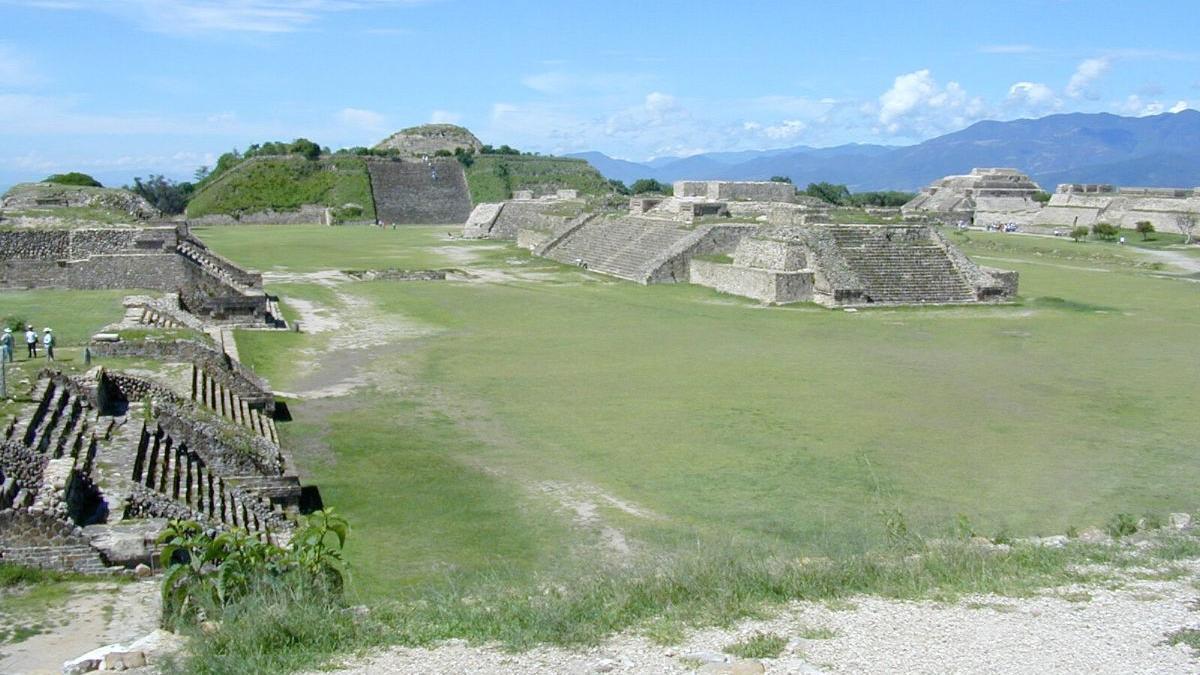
{"x": 407, "y": 192}
{"x": 629, "y": 248}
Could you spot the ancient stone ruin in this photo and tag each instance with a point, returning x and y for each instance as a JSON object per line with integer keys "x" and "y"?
{"x": 1074, "y": 204}
{"x": 431, "y": 190}
{"x": 848, "y": 265}
{"x": 983, "y": 197}
{"x": 428, "y": 139}
{"x": 92, "y": 469}
{"x": 155, "y": 257}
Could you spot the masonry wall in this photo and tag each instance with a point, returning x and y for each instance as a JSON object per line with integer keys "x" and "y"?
{"x": 768, "y": 286}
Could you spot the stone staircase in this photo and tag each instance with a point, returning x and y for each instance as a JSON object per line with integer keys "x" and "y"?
{"x": 245, "y": 285}
{"x": 213, "y": 395}
{"x": 419, "y": 192}
{"x": 61, "y": 425}
{"x": 146, "y": 316}
{"x": 629, "y": 248}
{"x": 901, "y": 265}
{"x": 175, "y": 482}
{"x": 210, "y": 264}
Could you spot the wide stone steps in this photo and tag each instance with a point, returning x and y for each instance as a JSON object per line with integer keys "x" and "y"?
{"x": 60, "y": 425}
{"x": 623, "y": 247}
{"x": 201, "y": 257}
{"x": 901, "y": 266}
{"x": 416, "y": 192}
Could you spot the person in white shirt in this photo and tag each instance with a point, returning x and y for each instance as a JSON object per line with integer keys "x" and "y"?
{"x": 31, "y": 341}
{"x": 48, "y": 343}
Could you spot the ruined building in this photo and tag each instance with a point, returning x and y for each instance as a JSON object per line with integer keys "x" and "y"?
{"x": 982, "y": 197}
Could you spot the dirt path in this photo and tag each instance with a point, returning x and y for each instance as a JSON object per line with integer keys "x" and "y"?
{"x": 1181, "y": 260}
{"x": 91, "y": 616}
{"x": 1116, "y": 628}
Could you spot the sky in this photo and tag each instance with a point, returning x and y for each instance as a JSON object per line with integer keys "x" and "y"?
{"x": 119, "y": 88}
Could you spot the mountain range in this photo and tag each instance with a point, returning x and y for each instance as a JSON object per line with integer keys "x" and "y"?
{"x": 1155, "y": 151}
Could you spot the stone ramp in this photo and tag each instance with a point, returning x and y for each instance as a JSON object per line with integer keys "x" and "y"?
{"x": 419, "y": 192}
{"x": 629, "y": 248}
{"x": 900, "y": 265}
{"x": 211, "y": 393}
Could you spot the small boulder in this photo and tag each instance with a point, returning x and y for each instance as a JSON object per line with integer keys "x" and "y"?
{"x": 1056, "y": 541}
{"x": 124, "y": 660}
{"x": 705, "y": 657}
{"x": 741, "y": 667}
{"x": 1094, "y": 535}
{"x": 142, "y": 571}
{"x": 1180, "y": 521}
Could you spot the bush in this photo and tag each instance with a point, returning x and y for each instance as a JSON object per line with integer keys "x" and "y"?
{"x": 618, "y": 186}
{"x": 1121, "y": 525}
{"x": 1041, "y": 197}
{"x": 72, "y": 178}
{"x": 838, "y": 195}
{"x": 1079, "y": 233}
{"x": 644, "y": 185}
{"x": 1106, "y": 231}
{"x": 1145, "y": 228}
{"x": 165, "y": 195}
{"x": 781, "y": 179}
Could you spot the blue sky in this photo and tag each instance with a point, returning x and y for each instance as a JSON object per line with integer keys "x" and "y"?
{"x": 120, "y": 88}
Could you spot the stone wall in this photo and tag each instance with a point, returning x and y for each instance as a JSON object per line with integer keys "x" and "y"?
{"x": 769, "y": 254}
{"x": 39, "y": 540}
{"x": 483, "y": 217}
{"x": 532, "y": 215}
{"x": 672, "y": 264}
{"x": 754, "y": 191}
{"x": 20, "y": 474}
{"x": 91, "y": 258}
{"x": 769, "y": 286}
{"x": 231, "y": 373}
{"x": 416, "y": 192}
{"x": 307, "y": 214}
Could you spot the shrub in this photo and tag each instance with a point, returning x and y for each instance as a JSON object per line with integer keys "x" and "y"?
{"x": 644, "y": 185}
{"x": 781, "y": 179}
{"x": 839, "y": 195}
{"x": 165, "y": 195}
{"x": 1106, "y": 231}
{"x": 1145, "y": 228}
{"x": 758, "y": 646}
{"x": 618, "y": 186}
{"x": 1121, "y": 525}
{"x": 72, "y": 178}
{"x": 1041, "y": 196}
{"x": 1079, "y": 233}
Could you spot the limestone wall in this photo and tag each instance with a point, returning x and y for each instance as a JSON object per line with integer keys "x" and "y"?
{"x": 307, "y": 214}
{"x": 672, "y": 265}
{"x": 757, "y": 191}
{"x": 231, "y": 373}
{"x": 769, "y": 254}
{"x": 767, "y": 286}
{"x": 532, "y": 215}
{"x": 1124, "y": 207}
{"x": 416, "y": 192}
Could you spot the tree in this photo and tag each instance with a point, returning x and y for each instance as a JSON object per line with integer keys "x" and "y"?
{"x": 781, "y": 179}
{"x": 1186, "y": 223}
{"x": 643, "y": 185}
{"x": 303, "y": 146}
{"x": 1106, "y": 231}
{"x": 73, "y": 178}
{"x": 618, "y": 186}
{"x": 1041, "y": 196}
{"x": 200, "y": 174}
{"x": 165, "y": 195}
{"x": 1145, "y": 228}
{"x": 1079, "y": 233}
{"x": 838, "y": 195}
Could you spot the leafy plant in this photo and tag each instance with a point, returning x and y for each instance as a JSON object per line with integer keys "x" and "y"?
{"x": 1121, "y": 525}
{"x": 1079, "y": 233}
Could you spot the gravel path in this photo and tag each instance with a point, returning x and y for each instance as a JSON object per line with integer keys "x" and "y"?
{"x": 1110, "y": 628}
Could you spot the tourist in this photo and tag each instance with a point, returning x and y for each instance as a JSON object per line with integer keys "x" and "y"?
{"x": 48, "y": 343}
{"x": 31, "y": 341}
{"x": 6, "y": 346}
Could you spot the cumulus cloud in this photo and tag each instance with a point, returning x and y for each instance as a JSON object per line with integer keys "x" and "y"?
{"x": 1085, "y": 76}
{"x": 360, "y": 119}
{"x": 1032, "y": 97}
{"x": 786, "y": 130}
{"x": 1136, "y": 105}
{"x": 917, "y": 102}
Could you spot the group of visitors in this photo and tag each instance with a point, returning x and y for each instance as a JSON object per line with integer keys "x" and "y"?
{"x": 31, "y": 343}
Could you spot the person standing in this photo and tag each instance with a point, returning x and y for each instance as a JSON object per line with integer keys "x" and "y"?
{"x": 31, "y": 341}
{"x": 6, "y": 346}
{"x": 48, "y": 343}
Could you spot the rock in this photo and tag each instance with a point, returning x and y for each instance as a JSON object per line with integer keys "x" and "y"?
{"x": 1180, "y": 521}
{"x": 81, "y": 665}
{"x": 705, "y": 657}
{"x": 124, "y": 660}
{"x": 1094, "y": 535}
{"x": 1056, "y": 541}
{"x": 157, "y": 643}
{"x": 603, "y": 666}
{"x": 742, "y": 667}
{"x": 142, "y": 571}
{"x": 209, "y": 627}
{"x": 850, "y": 309}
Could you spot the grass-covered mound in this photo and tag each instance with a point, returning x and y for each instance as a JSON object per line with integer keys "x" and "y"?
{"x": 55, "y": 204}
{"x": 284, "y": 183}
{"x": 493, "y": 178}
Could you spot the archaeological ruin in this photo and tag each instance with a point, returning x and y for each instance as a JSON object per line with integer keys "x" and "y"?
{"x": 983, "y": 197}
{"x": 1073, "y": 204}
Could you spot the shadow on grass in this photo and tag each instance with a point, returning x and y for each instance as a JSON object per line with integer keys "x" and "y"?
{"x": 1062, "y": 304}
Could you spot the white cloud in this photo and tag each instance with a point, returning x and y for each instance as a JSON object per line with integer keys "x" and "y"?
{"x": 200, "y": 16}
{"x": 1032, "y": 97}
{"x": 785, "y": 131}
{"x": 1179, "y": 106}
{"x": 362, "y": 120}
{"x": 444, "y": 117}
{"x": 1086, "y": 74}
{"x": 917, "y": 102}
{"x": 1135, "y": 105}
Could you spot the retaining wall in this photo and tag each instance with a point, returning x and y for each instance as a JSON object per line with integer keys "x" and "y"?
{"x": 768, "y": 286}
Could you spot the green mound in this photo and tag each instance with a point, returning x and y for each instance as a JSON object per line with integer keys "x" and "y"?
{"x": 59, "y": 205}
{"x": 73, "y": 178}
{"x": 285, "y": 183}
{"x": 493, "y": 178}
{"x": 428, "y": 139}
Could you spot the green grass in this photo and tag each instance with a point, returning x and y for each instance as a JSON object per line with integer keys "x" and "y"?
{"x": 758, "y": 646}
{"x": 1185, "y": 636}
{"x": 493, "y": 178}
{"x": 73, "y": 314}
{"x": 72, "y": 216}
{"x": 286, "y": 183}
{"x": 309, "y": 248}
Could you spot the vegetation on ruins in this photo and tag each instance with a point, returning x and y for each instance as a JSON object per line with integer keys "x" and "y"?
{"x": 1041, "y": 197}
{"x": 493, "y": 177}
{"x": 1145, "y": 228}
{"x": 72, "y": 178}
{"x": 206, "y": 572}
{"x": 283, "y": 183}
{"x": 781, "y": 179}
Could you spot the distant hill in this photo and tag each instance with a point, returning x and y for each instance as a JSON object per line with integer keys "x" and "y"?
{"x": 1075, "y": 147}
